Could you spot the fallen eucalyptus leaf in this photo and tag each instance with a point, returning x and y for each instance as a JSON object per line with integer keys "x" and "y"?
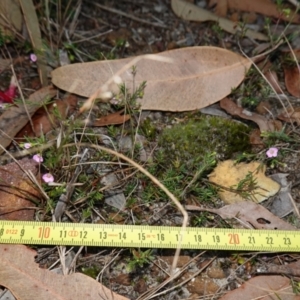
{"x": 191, "y": 12}
{"x": 264, "y": 288}
{"x": 292, "y": 80}
{"x": 292, "y": 269}
{"x": 23, "y": 277}
{"x": 196, "y": 78}
{"x": 250, "y": 214}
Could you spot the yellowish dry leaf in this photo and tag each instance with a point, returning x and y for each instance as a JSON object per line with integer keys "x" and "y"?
{"x": 228, "y": 175}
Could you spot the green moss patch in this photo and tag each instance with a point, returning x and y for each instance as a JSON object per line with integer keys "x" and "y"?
{"x": 190, "y": 141}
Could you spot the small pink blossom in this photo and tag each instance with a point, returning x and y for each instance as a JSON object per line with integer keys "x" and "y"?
{"x": 2, "y": 105}
{"x": 272, "y": 152}
{"x": 27, "y": 145}
{"x": 38, "y": 158}
{"x": 33, "y": 57}
{"x": 48, "y": 177}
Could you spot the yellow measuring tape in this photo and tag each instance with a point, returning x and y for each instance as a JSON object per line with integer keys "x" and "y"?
{"x": 108, "y": 235}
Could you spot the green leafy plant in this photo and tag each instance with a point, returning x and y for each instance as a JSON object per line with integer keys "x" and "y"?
{"x": 246, "y": 187}
{"x": 4, "y": 38}
{"x": 296, "y": 286}
{"x": 139, "y": 259}
{"x": 202, "y": 219}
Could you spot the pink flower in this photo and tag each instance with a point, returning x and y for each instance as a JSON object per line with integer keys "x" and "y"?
{"x": 48, "y": 177}
{"x": 33, "y": 57}
{"x": 272, "y": 152}
{"x": 38, "y": 158}
{"x": 2, "y": 105}
{"x": 27, "y": 145}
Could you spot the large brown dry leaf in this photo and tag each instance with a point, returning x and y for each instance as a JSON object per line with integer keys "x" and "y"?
{"x": 263, "y": 123}
{"x": 15, "y": 118}
{"x": 292, "y": 80}
{"x": 264, "y": 7}
{"x": 191, "y": 12}
{"x": 10, "y": 17}
{"x": 22, "y": 276}
{"x": 229, "y": 174}
{"x": 264, "y": 288}
{"x": 18, "y": 195}
{"x": 248, "y": 213}
{"x": 197, "y": 77}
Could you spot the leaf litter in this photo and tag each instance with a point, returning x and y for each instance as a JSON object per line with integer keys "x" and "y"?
{"x": 196, "y": 90}
{"x": 17, "y": 262}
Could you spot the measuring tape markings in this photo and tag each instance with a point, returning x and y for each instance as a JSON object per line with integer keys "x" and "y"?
{"x": 108, "y": 235}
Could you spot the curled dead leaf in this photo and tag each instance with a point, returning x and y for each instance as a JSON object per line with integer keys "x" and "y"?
{"x": 291, "y": 115}
{"x": 111, "y": 119}
{"x": 248, "y": 213}
{"x": 292, "y": 80}
{"x": 273, "y": 80}
{"x": 264, "y": 288}
{"x": 264, "y": 124}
